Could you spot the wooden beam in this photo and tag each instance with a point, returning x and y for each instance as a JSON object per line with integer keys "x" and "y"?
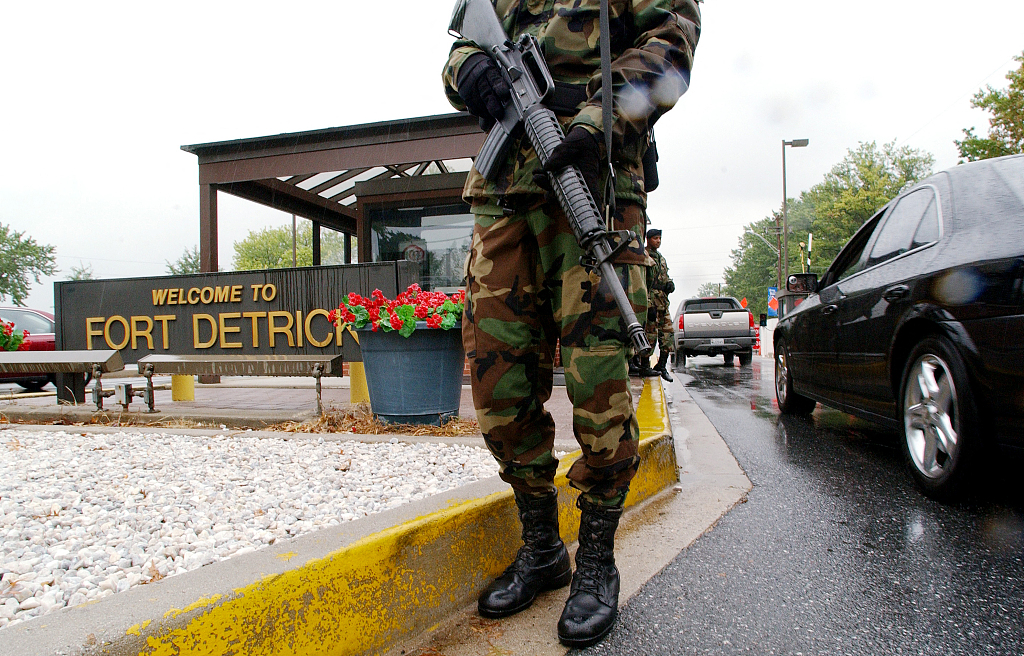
{"x": 208, "y": 255}
{"x": 287, "y": 198}
{"x": 341, "y": 158}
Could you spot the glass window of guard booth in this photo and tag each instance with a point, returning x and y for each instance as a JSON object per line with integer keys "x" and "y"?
{"x": 437, "y": 237}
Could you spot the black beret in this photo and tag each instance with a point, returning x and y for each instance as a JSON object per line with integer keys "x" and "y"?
{"x": 653, "y": 232}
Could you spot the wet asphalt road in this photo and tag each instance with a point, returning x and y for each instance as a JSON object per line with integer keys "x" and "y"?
{"x": 834, "y": 551}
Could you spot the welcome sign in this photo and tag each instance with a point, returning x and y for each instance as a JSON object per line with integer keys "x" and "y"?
{"x": 276, "y": 311}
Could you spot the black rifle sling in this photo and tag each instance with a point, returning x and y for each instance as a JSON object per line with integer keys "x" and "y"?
{"x": 607, "y": 91}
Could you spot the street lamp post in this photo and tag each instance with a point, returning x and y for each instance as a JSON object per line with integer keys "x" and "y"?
{"x": 796, "y": 143}
{"x": 766, "y": 242}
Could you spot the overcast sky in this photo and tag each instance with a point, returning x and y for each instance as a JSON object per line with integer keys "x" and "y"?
{"x": 99, "y": 97}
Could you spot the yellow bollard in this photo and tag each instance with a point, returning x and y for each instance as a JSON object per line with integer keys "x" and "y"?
{"x": 357, "y": 391}
{"x": 183, "y": 388}
{"x": 357, "y": 383}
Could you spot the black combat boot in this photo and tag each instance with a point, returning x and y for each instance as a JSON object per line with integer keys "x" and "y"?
{"x": 634, "y": 366}
{"x": 645, "y": 368}
{"x": 541, "y": 564}
{"x": 593, "y": 601}
{"x": 661, "y": 368}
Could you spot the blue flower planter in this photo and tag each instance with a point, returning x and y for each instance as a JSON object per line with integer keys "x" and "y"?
{"x": 415, "y": 379}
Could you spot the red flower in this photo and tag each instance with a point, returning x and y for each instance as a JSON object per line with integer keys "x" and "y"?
{"x": 332, "y": 316}
{"x": 414, "y": 302}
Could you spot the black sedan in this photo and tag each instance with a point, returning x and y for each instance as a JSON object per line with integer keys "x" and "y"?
{"x": 918, "y": 324}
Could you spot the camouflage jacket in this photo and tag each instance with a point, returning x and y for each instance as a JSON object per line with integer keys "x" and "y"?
{"x": 658, "y": 280}
{"x": 652, "y": 44}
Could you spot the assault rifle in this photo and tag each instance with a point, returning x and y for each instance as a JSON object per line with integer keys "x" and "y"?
{"x": 523, "y": 67}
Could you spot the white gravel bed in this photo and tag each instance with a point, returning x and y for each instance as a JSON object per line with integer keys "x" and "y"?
{"x": 84, "y": 515}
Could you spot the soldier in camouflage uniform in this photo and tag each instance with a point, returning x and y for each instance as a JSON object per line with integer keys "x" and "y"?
{"x": 526, "y": 289}
{"x": 659, "y": 317}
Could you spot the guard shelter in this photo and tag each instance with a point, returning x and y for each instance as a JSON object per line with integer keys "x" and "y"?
{"x": 395, "y": 186}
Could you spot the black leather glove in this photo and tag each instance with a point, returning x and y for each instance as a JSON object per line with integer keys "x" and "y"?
{"x": 582, "y": 149}
{"x": 670, "y": 287}
{"x": 483, "y": 89}
{"x": 652, "y": 314}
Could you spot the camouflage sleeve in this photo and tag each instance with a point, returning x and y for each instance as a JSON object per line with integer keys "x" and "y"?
{"x": 650, "y": 76}
{"x": 460, "y": 52}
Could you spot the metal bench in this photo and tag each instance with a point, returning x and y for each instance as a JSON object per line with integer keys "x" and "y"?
{"x": 237, "y": 365}
{"x": 96, "y": 363}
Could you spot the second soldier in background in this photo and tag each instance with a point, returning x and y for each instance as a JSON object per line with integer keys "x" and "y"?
{"x": 659, "y": 315}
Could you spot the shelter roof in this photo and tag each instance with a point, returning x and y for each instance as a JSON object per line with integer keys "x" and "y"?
{"x": 313, "y": 174}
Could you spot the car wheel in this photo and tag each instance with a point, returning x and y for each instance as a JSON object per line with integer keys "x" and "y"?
{"x": 728, "y": 359}
{"x": 679, "y": 361}
{"x": 34, "y": 386}
{"x": 939, "y": 418}
{"x": 746, "y": 357}
{"x": 790, "y": 403}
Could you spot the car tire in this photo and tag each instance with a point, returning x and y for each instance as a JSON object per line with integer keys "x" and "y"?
{"x": 729, "y": 359}
{"x": 790, "y": 403}
{"x": 940, "y": 419}
{"x": 34, "y": 386}
{"x": 746, "y": 357}
{"x": 678, "y": 361}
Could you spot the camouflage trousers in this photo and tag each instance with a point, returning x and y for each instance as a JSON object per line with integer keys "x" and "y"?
{"x": 526, "y": 290}
{"x": 660, "y": 330}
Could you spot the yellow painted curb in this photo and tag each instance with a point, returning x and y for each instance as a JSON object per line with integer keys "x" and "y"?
{"x": 386, "y": 588}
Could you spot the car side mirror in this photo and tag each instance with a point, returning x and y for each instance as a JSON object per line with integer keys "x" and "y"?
{"x": 802, "y": 283}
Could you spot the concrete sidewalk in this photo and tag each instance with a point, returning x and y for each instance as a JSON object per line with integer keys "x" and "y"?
{"x": 401, "y": 581}
{"x": 236, "y": 402}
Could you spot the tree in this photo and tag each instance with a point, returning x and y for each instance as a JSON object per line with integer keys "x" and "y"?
{"x": 21, "y": 257}
{"x": 271, "y": 248}
{"x": 1006, "y": 126}
{"x": 831, "y": 210}
{"x": 709, "y": 289}
{"x": 187, "y": 264}
{"x": 754, "y": 266}
{"x": 81, "y": 272}
{"x": 850, "y": 194}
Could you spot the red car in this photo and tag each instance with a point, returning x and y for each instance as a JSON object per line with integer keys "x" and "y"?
{"x": 39, "y": 325}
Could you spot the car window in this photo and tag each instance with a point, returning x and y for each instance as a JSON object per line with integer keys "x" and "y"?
{"x": 928, "y": 229}
{"x": 899, "y": 228}
{"x": 849, "y": 260}
{"x": 707, "y": 306}
{"x": 29, "y": 321}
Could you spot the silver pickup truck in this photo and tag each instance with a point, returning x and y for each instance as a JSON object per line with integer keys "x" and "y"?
{"x": 714, "y": 326}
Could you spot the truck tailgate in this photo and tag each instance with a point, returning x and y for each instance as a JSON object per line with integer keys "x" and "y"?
{"x": 724, "y": 323}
